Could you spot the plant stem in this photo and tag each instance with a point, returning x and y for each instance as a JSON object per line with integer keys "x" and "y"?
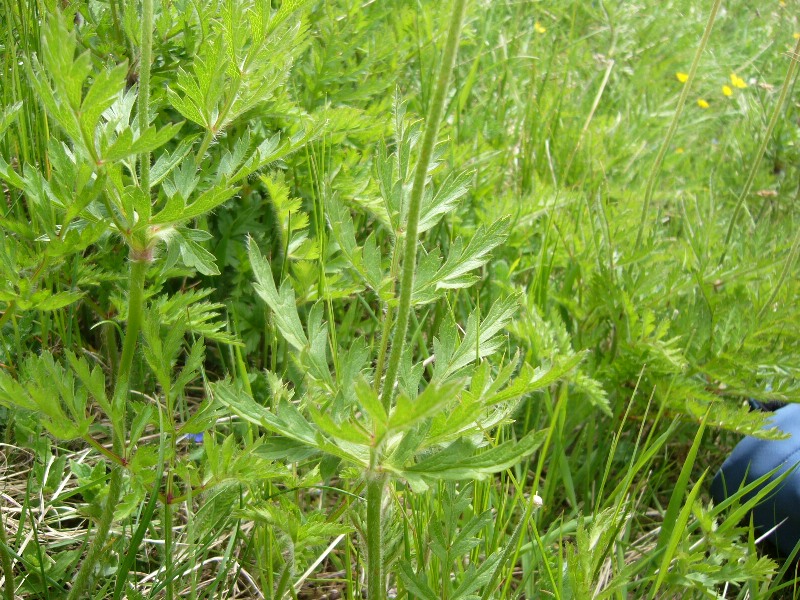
{"x": 375, "y": 588}
{"x": 5, "y": 560}
{"x": 168, "y": 576}
{"x": 169, "y": 593}
{"x": 144, "y": 87}
{"x": 135, "y": 305}
{"x": 121, "y": 389}
{"x": 662, "y": 152}
{"x": 201, "y": 152}
{"x": 415, "y": 200}
{"x": 377, "y": 481}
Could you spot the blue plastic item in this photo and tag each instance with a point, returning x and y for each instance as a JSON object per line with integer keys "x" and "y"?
{"x": 753, "y": 458}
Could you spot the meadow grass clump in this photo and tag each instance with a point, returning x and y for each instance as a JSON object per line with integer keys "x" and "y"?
{"x": 407, "y": 299}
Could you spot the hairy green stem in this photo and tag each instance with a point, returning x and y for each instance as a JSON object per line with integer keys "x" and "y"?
{"x": 5, "y": 560}
{"x": 662, "y": 152}
{"x": 169, "y": 593}
{"x": 386, "y": 330}
{"x": 121, "y": 390}
{"x": 751, "y": 177}
{"x": 415, "y": 200}
{"x": 204, "y": 145}
{"x": 144, "y": 87}
{"x": 375, "y": 587}
{"x": 134, "y": 324}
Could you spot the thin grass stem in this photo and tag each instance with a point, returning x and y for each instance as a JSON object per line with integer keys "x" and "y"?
{"x": 5, "y": 562}
{"x": 673, "y": 126}
{"x": 751, "y": 176}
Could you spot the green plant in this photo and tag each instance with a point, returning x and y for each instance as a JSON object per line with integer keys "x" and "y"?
{"x": 94, "y": 191}
{"x": 639, "y": 246}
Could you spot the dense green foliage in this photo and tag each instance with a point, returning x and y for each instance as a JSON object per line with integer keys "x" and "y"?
{"x": 215, "y": 214}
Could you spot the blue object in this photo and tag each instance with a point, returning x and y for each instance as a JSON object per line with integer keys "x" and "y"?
{"x": 753, "y": 458}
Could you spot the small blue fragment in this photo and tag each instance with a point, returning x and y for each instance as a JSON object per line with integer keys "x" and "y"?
{"x": 197, "y": 438}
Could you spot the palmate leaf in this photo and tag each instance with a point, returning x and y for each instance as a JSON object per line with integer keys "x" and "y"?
{"x": 104, "y": 91}
{"x": 469, "y": 535}
{"x": 49, "y": 390}
{"x": 470, "y": 417}
{"x": 480, "y": 340}
{"x": 473, "y": 579}
{"x": 10, "y": 176}
{"x": 282, "y": 303}
{"x": 416, "y": 583}
{"x": 62, "y": 99}
{"x": 244, "y": 61}
{"x": 197, "y": 96}
{"x": 57, "y": 110}
{"x": 463, "y": 460}
{"x": 365, "y": 261}
{"x": 185, "y": 243}
{"x": 394, "y": 173}
{"x": 270, "y": 150}
{"x": 434, "y": 277}
{"x": 287, "y": 422}
{"x": 161, "y": 351}
{"x": 408, "y": 413}
{"x": 315, "y": 357}
{"x": 168, "y": 161}
{"x": 93, "y": 380}
{"x": 54, "y": 301}
{"x": 176, "y": 211}
{"x": 300, "y": 527}
{"x": 345, "y": 431}
{"x": 372, "y": 405}
{"x": 127, "y": 144}
{"x": 437, "y": 204}
{"x": 227, "y": 462}
{"x": 196, "y": 314}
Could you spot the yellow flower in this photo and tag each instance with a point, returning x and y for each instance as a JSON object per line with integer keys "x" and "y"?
{"x": 737, "y": 81}
{"x": 678, "y": 150}
{"x": 682, "y": 77}
{"x": 726, "y": 90}
{"x": 537, "y": 27}
{"x": 796, "y": 35}
{"x": 702, "y": 103}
